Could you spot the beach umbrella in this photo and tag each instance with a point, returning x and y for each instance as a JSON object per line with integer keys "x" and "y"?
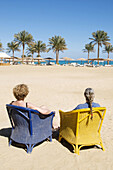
{"x": 108, "y": 59}
{"x": 81, "y": 59}
{"x": 49, "y": 58}
{"x": 12, "y": 58}
{"x": 27, "y": 60}
{"x": 38, "y": 58}
{"x": 94, "y": 59}
{"x": 4, "y": 56}
{"x": 67, "y": 59}
{"x": 97, "y": 59}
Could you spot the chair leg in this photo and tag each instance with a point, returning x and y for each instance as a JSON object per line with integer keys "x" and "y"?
{"x": 29, "y": 148}
{"x": 10, "y": 142}
{"x": 60, "y": 137}
{"x": 76, "y": 149}
{"x": 101, "y": 144}
{"x": 50, "y": 138}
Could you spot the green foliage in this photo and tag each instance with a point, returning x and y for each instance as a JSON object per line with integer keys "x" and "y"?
{"x": 100, "y": 37}
{"x": 89, "y": 48}
{"x": 23, "y": 37}
{"x": 0, "y": 45}
{"x": 13, "y": 46}
{"x": 40, "y": 47}
{"x": 1, "y": 48}
{"x": 108, "y": 48}
{"x": 31, "y": 48}
{"x": 57, "y": 43}
{"x": 24, "y": 56}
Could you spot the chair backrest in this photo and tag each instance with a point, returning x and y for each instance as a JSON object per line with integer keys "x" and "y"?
{"x": 22, "y": 117}
{"x": 80, "y": 122}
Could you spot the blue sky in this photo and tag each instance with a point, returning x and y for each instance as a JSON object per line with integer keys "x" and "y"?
{"x": 71, "y": 19}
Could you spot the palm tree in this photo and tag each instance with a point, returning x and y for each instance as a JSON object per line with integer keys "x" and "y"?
{"x": 31, "y": 49}
{"x": 13, "y": 46}
{"x": 100, "y": 38}
{"x": 39, "y": 48}
{"x": 88, "y": 48}
{"x": 23, "y": 38}
{"x": 108, "y": 49}
{"x": 57, "y": 44}
{"x": 1, "y": 48}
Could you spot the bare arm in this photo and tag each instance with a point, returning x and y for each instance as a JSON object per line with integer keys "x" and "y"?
{"x": 41, "y": 109}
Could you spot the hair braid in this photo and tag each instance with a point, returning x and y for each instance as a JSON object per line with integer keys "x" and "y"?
{"x": 89, "y": 94}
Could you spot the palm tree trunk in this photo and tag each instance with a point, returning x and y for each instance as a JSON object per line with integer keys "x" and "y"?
{"x": 88, "y": 57}
{"x": 13, "y": 56}
{"x": 38, "y": 56}
{"x": 98, "y": 53}
{"x": 32, "y": 57}
{"x": 23, "y": 53}
{"x": 108, "y": 58}
{"x": 57, "y": 57}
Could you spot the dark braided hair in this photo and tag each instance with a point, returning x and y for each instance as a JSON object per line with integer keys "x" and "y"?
{"x": 89, "y": 95}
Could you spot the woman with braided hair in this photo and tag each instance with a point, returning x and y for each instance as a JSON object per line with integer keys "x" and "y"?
{"x": 89, "y": 95}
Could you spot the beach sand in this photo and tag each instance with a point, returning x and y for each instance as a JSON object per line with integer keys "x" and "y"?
{"x": 57, "y": 87}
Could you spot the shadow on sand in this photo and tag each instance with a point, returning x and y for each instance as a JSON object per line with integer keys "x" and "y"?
{"x": 6, "y": 132}
{"x": 63, "y": 142}
{"x": 69, "y": 146}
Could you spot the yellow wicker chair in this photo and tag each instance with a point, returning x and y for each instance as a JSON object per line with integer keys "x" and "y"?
{"x": 77, "y": 127}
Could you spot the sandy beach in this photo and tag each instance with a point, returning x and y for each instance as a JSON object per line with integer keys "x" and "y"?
{"x": 57, "y": 87}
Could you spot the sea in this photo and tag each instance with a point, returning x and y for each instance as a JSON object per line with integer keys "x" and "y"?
{"x": 61, "y": 62}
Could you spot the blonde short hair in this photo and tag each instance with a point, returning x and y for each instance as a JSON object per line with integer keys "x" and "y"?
{"x": 20, "y": 91}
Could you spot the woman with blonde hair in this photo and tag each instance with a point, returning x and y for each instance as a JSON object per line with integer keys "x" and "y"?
{"x": 20, "y": 92}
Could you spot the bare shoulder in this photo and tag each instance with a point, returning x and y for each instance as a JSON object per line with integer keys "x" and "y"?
{"x": 30, "y": 105}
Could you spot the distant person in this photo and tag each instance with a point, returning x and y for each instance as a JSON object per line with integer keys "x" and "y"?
{"x": 20, "y": 92}
{"x": 89, "y": 95}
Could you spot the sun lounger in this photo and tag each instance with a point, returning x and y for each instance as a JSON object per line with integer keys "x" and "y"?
{"x": 77, "y": 127}
{"x": 107, "y": 65}
{"x": 29, "y": 127}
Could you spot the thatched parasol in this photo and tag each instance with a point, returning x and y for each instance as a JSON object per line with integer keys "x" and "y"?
{"x": 4, "y": 56}
{"x": 101, "y": 59}
{"x": 49, "y": 58}
{"x": 81, "y": 59}
{"x": 67, "y": 59}
{"x": 108, "y": 59}
{"x": 94, "y": 59}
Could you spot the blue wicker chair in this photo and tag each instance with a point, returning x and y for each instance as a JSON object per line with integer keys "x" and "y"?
{"x": 29, "y": 126}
